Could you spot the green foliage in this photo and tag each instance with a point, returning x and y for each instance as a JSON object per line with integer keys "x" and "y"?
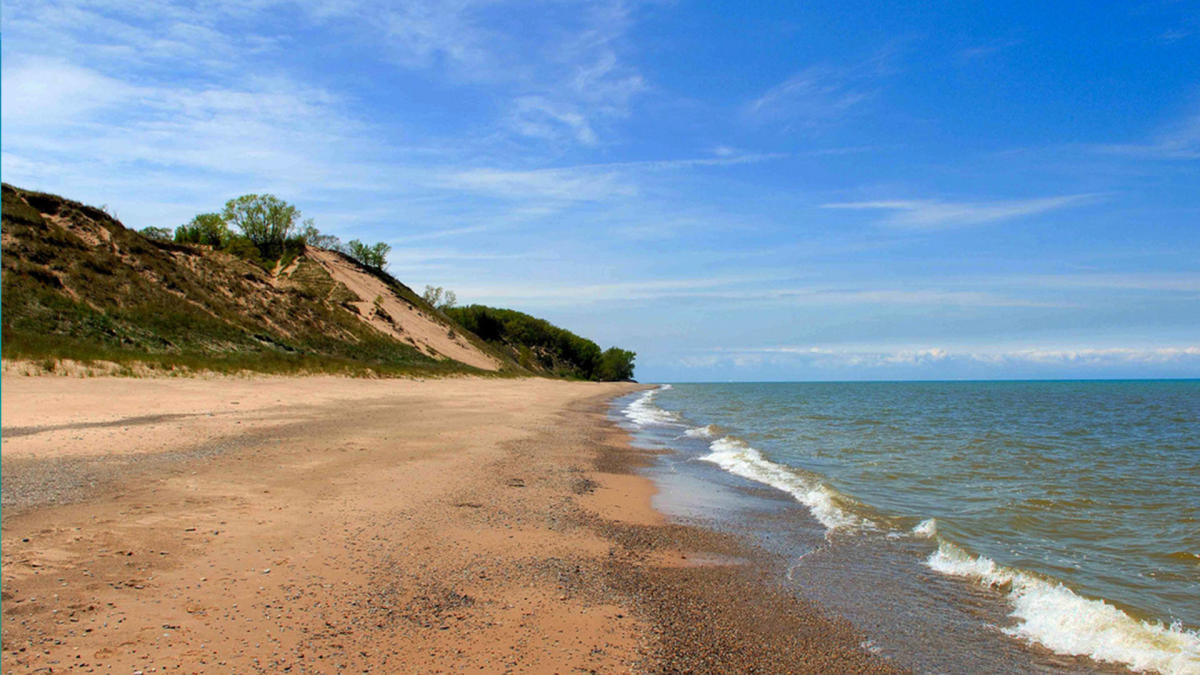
{"x": 269, "y": 234}
{"x": 245, "y": 249}
{"x": 266, "y": 220}
{"x": 374, "y": 257}
{"x": 157, "y": 233}
{"x": 128, "y": 301}
{"x": 539, "y": 345}
{"x": 311, "y": 236}
{"x": 205, "y": 228}
{"x": 615, "y": 365}
{"x": 439, "y": 298}
{"x": 212, "y": 229}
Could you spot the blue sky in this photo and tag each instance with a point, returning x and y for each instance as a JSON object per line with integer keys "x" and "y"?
{"x": 818, "y": 190}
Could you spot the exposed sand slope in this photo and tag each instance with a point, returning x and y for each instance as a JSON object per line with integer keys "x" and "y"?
{"x": 399, "y": 318}
{"x": 77, "y": 281}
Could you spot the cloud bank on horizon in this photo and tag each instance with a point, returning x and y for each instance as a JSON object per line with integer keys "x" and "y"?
{"x": 735, "y": 193}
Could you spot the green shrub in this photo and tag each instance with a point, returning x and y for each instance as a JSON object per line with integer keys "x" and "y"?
{"x": 157, "y": 233}
{"x": 374, "y": 257}
{"x": 205, "y": 228}
{"x": 245, "y": 249}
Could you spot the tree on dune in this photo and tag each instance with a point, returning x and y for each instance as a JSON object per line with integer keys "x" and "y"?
{"x": 266, "y": 220}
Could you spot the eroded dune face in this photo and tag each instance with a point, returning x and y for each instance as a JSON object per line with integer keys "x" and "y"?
{"x": 392, "y": 315}
{"x": 75, "y": 273}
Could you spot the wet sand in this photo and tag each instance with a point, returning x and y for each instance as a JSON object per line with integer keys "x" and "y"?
{"x": 332, "y": 525}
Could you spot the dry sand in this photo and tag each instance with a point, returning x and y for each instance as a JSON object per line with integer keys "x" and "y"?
{"x": 403, "y": 321}
{"x": 344, "y": 525}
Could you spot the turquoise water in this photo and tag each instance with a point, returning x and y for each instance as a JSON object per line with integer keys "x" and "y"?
{"x": 1078, "y": 500}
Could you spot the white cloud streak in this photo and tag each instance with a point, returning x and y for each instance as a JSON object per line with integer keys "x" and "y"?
{"x": 815, "y": 94}
{"x": 759, "y": 290}
{"x": 932, "y": 214}
{"x": 104, "y": 102}
{"x": 820, "y": 95}
{"x": 862, "y": 359}
{"x": 1181, "y": 141}
{"x": 580, "y": 183}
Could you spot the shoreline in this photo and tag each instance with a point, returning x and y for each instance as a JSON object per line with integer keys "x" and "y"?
{"x": 431, "y": 526}
{"x": 945, "y": 622}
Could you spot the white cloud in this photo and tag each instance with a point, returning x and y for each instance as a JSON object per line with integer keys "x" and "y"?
{"x": 760, "y": 290}
{"x": 555, "y": 185}
{"x": 558, "y": 75}
{"x": 579, "y": 183}
{"x": 889, "y": 296}
{"x": 266, "y": 127}
{"x": 814, "y": 96}
{"x": 820, "y": 94}
{"x": 1184, "y": 283}
{"x": 43, "y": 93}
{"x": 573, "y": 294}
{"x": 163, "y": 108}
{"x": 1099, "y": 356}
{"x": 987, "y": 49}
{"x": 1081, "y": 358}
{"x": 536, "y": 117}
{"x": 418, "y": 34}
{"x": 1179, "y": 141}
{"x": 139, "y": 145}
{"x": 930, "y": 214}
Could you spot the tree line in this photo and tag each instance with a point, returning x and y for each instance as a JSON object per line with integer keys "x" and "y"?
{"x": 265, "y": 229}
{"x": 542, "y": 345}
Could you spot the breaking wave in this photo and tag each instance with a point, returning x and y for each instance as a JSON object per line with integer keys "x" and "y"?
{"x": 642, "y": 411}
{"x": 742, "y": 460}
{"x": 706, "y": 431}
{"x": 1049, "y": 613}
{"x": 1044, "y": 610}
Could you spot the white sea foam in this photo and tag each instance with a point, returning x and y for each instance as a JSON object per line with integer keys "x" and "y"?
{"x": 1055, "y": 616}
{"x": 740, "y": 459}
{"x": 707, "y": 431}
{"x": 926, "y": 529}
{"x": 642, "y": 411}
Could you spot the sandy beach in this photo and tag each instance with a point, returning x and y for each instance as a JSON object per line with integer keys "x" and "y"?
{"x": 332, "y": 525}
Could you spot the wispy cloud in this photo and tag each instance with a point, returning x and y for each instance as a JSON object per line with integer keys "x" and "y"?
{"x": 820, "y": 95}
{"x": 560, "y": 293}
{"x": 1174, "y": 35}
{"x": 1179, "y": 141}
{"x": 557, "y": 71}
{"x": 561, "y": 185}
{"x": 43, "y": 93}
{"x": 987, "y": 49}
{"x": 931, "y": 214}
{"x": 538, "y": 117}
{"x": 811, "y": 98}
{"x": 94, "y": 93}
{"x": 743, "y": 290}
{"x": 1152, "y": 282}
{"x": 941, "y": 358}
{"x": 578, "y": 183}
{"x": 260, "y": 126}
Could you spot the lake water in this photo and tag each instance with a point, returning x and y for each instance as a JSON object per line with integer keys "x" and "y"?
{"x": 1010, "y": 518}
